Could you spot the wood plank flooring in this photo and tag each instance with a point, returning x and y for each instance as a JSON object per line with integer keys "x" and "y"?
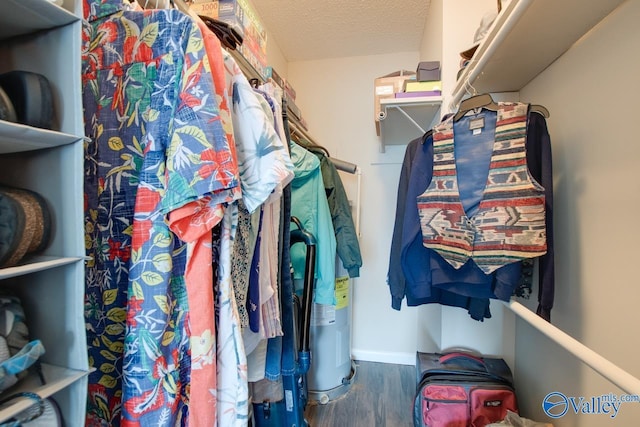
{"x": 381, "y": 396}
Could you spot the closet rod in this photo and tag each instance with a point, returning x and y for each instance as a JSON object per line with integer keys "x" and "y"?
{"x": 484, "y": 55}
{"x": 604, "y": 367}
{"x": 251, "y": 73}
{"x": 248, "y": 70}
{"x": 339, "y": 164}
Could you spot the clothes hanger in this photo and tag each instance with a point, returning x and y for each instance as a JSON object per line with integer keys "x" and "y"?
{"x": 228, "y": 34}
{"x": 299, "y": 138}
{"x": 182, "y": 7}
{"x": 152, "y": 4}
{"x": 317, "y": 149}
{"x": 478, "y": 101}
{"x": 303, "y": 142}
{"x": 540, "y": 109}
{"x": 486, "y": 102}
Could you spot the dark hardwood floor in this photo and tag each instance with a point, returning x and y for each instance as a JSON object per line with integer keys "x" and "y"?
{"x": 381, "y": 396}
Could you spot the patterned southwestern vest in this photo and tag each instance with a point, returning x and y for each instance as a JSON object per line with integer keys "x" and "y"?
{"x": 509, "y": 224}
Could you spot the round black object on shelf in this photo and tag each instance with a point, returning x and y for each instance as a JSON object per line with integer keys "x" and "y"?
{"x": 31, "y": 96}
{"x": 7, "y": 112}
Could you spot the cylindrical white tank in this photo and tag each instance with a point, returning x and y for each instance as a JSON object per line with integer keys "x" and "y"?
{"x": 332, "y": 371}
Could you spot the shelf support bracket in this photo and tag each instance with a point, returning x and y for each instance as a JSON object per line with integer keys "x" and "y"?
{"x": 404, "y": 113}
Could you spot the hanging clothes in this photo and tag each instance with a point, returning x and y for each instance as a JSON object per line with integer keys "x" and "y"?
{"x": 232, "y": 387}
{"x": 268, "y": 271}
{"x": 264, "y": 161}
{"x": 513, "y": 278}
{"x": 347, "y": 245}
{"x": 155, "y": 150}
{"x": 243, "y": 251}
{"x": 414, "y": 283}
{"x": 395, "y": 276}
{"x": 265, "y": 167}
{"x": 282, "y": 354}
{"x": 309, "y": 204}
{"x": 423, "y": 271}
{"x": 193, "y": 223}
{"x": 264, "y": 305}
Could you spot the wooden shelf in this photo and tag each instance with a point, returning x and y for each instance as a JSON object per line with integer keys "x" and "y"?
{"x": 404, "y": 119}
{"x": 527, "y": 37}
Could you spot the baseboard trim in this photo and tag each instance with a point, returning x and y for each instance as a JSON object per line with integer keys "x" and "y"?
{"x": 384, "y": 357}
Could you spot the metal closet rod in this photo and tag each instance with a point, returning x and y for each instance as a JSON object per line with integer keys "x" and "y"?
{"x": 339, "y": 164}
{"x": 251, "y": 73}
{"x": 598, "y": 363}
{"x": 482, "y": 55}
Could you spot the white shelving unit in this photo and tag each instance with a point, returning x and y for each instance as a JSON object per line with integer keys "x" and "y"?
{"x": 525, "y": 39}
{"x": 30, "y": 138}
{"x": 58, "y": 378}
{"x": 39, "y": 36}
{"x": 404, "y": 119}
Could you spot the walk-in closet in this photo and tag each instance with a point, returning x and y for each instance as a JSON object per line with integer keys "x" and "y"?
{"x": 275, "y": 213}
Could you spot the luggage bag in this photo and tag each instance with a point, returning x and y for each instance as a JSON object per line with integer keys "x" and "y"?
{"x": 458, "y": 389}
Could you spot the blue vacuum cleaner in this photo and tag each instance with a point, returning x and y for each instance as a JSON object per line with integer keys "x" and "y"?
{"x": 296, "y": 355}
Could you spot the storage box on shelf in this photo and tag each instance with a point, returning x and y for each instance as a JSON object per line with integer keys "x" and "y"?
{"x": 415, "y": 86}
{"x": 419, "y": 94}
{"x": 402, "y": 116}
{"x": 241, "y": 15}
{"x": 205, "y": 7}
{"x": 289, "y": 90}
{"x": 271, "y": 73}
{"x": 39, "y": 36}
{"x": 386, "y": 87}
{"x": 254, "y": 46}
{"x": 428, "y": 71}
{"x": 293, "y": 108}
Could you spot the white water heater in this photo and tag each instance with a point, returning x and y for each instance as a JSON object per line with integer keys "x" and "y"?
{"x": 332, "y": 371}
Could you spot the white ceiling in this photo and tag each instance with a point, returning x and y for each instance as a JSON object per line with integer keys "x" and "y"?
{"x": 319, "y": 29}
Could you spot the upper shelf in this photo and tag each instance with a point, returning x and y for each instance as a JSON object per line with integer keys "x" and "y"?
{"x": 28, "y": 16}
{"x": 16, "y": 137}
{"x": 405, "y": 119}
{"x": 526, "y": 38}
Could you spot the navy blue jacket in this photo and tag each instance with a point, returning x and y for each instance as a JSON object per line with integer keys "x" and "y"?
{"x": 423, "y": 271}
{"x": 417, "y": 287}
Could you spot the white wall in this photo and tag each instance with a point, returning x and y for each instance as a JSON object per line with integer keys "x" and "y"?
{"x": 431, "y": 45}
{"x": 275, "y": 57}
{"x": 591, "y": 93}
{"x": 336, "y": 98}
